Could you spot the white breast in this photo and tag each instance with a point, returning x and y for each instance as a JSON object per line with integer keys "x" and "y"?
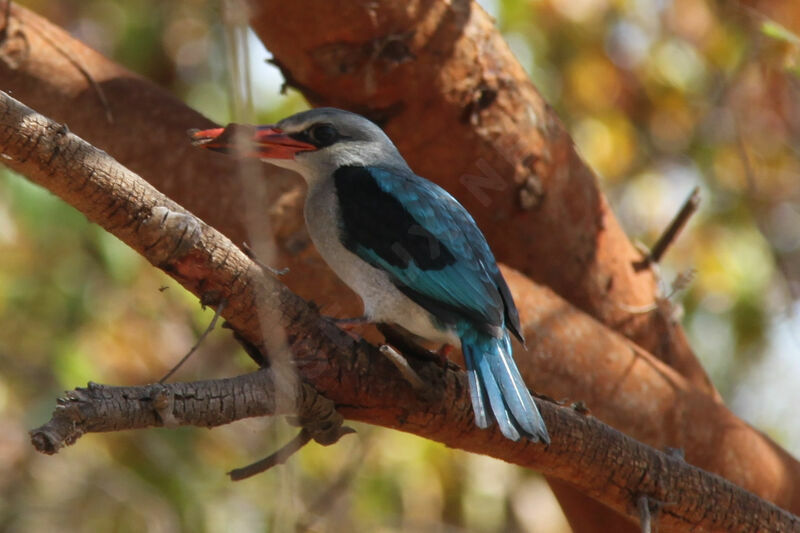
{"x": 383, "y": 302}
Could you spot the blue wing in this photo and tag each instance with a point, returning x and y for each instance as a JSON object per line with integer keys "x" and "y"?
{"x": 427, "y": 242}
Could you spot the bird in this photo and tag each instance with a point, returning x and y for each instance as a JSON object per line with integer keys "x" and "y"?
{"x": 406, "y": 246}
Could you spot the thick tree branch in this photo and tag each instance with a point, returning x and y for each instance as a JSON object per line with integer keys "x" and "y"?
{"x": 600, "y": 461}
{"x": 617, "y": 460}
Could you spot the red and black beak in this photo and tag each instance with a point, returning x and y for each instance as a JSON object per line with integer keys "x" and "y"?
{"x": 263, "y": 142}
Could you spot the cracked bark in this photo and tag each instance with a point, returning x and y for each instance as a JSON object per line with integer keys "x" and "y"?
{"x": 596, "y": 459}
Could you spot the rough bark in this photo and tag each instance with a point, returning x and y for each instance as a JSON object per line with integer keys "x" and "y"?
{"x": 598, "y": 460}
{"x": 212, "y": 403}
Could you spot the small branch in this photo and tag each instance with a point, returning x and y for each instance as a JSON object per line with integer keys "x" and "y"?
{"x": 265, "y": 267}
{"x": 643, "y": 505}
{"x": 688, "y": 208}
{"x": 100, "y": 408}
{"x": 73, "y": 60}
{"x": 402, "y": 365}
{"x": 277, "y": 458}
{"x": 658, "y": 250}
{"x": 203, "y": 336}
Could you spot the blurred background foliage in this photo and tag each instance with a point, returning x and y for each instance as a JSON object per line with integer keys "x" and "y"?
{"x": 660, "y": 96}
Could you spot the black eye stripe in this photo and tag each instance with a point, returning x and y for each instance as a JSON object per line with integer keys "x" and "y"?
{"x": 320, "y": 135}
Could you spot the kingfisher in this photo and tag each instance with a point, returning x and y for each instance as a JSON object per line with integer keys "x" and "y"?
{"x": 412, "y": 253}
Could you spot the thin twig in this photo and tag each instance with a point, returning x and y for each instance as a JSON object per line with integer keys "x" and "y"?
{"x": 101, "y": 95}
{"x": 645, "y": 519}
{"x": 207, "y": 403}
{"x": 649, "y": 508}
{"x": 272, "y": 270}
{"x": 688, "y": 208}
{"x": 279, "y": 457}
{"x": 194, "y": 348}
{"x": 408, "y": 373}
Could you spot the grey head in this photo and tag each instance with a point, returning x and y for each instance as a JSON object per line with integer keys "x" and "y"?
{"x": 338, "y": 138}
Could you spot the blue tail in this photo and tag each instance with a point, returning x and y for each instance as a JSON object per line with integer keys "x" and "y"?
{"x": 493, "y": 375}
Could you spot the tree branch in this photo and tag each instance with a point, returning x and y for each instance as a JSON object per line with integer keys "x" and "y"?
{"x": 100, "y": 408}
{"x": 602, "y": 462}
{"x": 689, "y": 207}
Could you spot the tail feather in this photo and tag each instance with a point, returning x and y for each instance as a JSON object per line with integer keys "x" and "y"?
{"x": 491, "y": 366}
{"x": 477, "y": 392}
{"x": 508, "y": 426}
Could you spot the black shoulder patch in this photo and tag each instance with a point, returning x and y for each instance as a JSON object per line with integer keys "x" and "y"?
{"x": 376, "y": 220}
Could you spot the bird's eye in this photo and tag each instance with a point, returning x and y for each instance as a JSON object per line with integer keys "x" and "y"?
{"x": 323, "y": 134}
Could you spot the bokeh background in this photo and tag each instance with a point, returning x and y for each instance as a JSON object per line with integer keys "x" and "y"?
{"x": 659, "y": 95}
